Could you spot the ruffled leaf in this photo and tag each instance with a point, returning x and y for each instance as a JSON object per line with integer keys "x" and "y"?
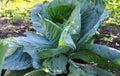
{"x": 17, "y": 61}
{"x": 30, "y": 45}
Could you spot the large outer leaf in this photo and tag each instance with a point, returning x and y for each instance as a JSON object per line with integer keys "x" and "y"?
{"x": 84, "y": 70}
{"x": 94, "y": 71}
{"x": 89, "y": 56}
{"x": 32, "y": 43}
{"x": 12, "y": 46}
{"x": 91, "y": 10}
{"x": 38, "y": 9}
{"x": 3, "y": 49}
{"x": 113, "y": 55}
{"x": 32, "y": 39}
{"x": 55, "y": 65}
{"x": 17, "y": 61}
{"x": 92, "y": 31}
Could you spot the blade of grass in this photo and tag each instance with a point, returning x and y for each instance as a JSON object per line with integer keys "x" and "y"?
{"x": 3, "y": 49}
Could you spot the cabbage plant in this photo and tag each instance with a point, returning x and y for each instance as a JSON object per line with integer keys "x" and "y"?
{"x": 62, "y": 42}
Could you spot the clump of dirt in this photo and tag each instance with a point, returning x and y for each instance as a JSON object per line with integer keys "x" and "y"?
{"x": 109, "y": 35}
{"x": 16, "y": 28}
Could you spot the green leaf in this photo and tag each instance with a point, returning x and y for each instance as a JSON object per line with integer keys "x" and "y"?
{"x": 38, "y": 73}
{"x": 92, "y": 31}
{"x": 32, "y": 41}
{"x": 17, "y": 61}
{"x": 55, "y": 65}
{"x": 111, "y": 54}
{"x": 59, "y": 13}
{"x": 91, "y": 10}
{"x": 36, "y": 23}
{"x": 74, "y": 21}
{"x": 30, "y": 44}
{"x": 60, "y": 10}
{"x": 55, "y": 3}
{"x": 89, "y": 56}
{"x": 52, "y": 31}
{"x": 12, "y": 46}
{"x": 3, "y": 49}
{"x": 65, "y": 13}
{"x": 65, "y": 39}
{"x": 94, "y": 71}
{"x": 76, "y": 71}
{"x": 71, "y": 27}
{"x": 17, "y": 73}
{"x": 52, "y": 52}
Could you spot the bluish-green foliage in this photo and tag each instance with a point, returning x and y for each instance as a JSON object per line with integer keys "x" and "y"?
{"x": 60, "y": 38}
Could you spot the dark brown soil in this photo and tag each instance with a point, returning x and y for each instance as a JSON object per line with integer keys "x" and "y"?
{"x": 15, "y": 28}
{"x": 109, "y": 35}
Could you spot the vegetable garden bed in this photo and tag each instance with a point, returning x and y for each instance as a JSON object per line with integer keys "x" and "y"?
{"x": 62, "y": 42}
